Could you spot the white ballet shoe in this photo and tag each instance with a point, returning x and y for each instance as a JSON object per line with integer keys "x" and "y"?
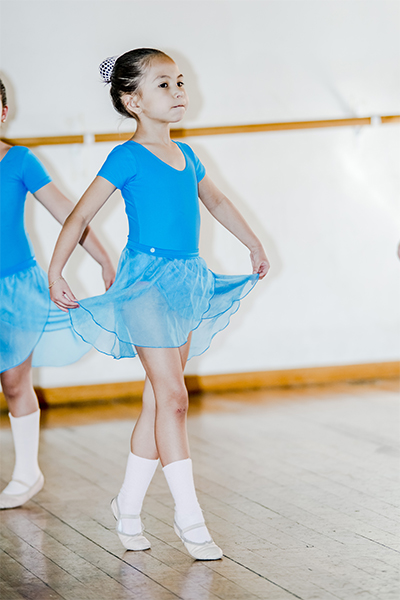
{"x": 130, "y": 542}
{"x": 199, "y": 551}
{"x": 15, "y": 500}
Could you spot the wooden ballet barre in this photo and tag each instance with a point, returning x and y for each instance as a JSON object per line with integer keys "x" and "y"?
{"x": 200, "y": 131}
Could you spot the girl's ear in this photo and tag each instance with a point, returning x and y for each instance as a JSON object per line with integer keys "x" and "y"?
{"x": 4, "y": 113}
{"x": 131, "y": 103}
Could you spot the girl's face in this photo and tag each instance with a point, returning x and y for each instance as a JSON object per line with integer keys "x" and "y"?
{"x": 162, "y": 96}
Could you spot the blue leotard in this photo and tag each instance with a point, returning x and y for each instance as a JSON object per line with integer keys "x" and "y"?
{"x": 161, "y": 202}
{"x": 20, "y": 173}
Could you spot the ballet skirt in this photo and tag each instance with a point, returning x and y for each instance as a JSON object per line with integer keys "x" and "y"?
{"x": 163, "y": 289}
{"x": 29, "y": 321}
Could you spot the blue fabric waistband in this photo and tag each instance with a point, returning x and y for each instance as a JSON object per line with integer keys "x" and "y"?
{"x": 27, "y": 264}
{"x": 153, "y": 251}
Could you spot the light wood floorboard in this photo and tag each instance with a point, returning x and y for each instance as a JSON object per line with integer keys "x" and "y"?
{"x": 300, "y": 487}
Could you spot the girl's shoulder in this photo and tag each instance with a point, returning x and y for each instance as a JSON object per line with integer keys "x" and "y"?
{"x": 187, "y": 150}
{"x": 184, "y": 147}
{"x": 122, "y": 148}
{"x": 17, "y": 158}
{"x": 25, "y": 167}
{"x": 122, "y": 154}
{"x": 120, "y": 165}
{"x": 18, "y": 152}
{"x": 125, "y": 151}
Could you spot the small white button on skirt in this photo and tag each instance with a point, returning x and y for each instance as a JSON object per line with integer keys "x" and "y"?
{"x": 152, "y": 249}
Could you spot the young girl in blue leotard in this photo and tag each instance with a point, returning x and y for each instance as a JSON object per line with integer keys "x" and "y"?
{"x": 165, "y": 305}
{"x": 31, "y": 330}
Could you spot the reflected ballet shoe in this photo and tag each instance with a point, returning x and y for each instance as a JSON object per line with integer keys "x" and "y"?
{"x": 15, "y": 500}
{"x": 199, "y": 551}
{"x": 130, "y": 542}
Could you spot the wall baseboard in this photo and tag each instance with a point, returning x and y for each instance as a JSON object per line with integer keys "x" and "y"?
{"x": 129, "y": 390}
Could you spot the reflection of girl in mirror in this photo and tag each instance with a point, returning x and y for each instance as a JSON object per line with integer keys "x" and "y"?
{"x": 33, "y": 330}
{"x": 165, "y": 305}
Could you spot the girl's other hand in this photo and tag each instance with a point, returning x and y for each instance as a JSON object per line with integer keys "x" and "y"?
{"x": 259, "y": 262}
{"x": 62, "y": 296}
{"x": 108, "y": 274}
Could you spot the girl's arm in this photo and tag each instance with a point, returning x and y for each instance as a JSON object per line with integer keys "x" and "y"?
{"x": 74, "y": 226}
{"x": 228, "y": 215}
{"x": 60, "y": 207}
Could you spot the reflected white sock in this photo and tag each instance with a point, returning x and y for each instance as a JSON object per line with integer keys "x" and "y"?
{"x": 179, "y": 476}
{"x": 25, "y": 431}
{"x": 138, "y": 475}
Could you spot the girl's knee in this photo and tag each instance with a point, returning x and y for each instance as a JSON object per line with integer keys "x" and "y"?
{"x": 178, "y": 400}
{"x": 16, "y": 388}
{"x": 174, "y": 399}
{"x": 12, "y": 389}
{"x": 181, "y": 406}
{"x": 17, "y": 382}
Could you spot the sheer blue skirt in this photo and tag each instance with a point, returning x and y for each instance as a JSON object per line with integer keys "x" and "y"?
{"x": 30, "y": 322}
{"x": 155, "y": 302}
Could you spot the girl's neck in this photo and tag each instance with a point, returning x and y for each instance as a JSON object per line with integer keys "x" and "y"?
{"x": 153, "y": 134}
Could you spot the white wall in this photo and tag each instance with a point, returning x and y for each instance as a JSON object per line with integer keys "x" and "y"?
{"x": 324, "y": 202}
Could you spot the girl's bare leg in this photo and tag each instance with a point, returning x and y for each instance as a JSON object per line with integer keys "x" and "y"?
{"x": 18, "y": 389}
{"x": 164, "y": 369}
{"x": 143, "y": 441}
{"x": 27, "y": 478}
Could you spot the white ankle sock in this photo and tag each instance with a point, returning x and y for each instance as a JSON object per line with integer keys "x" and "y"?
{"x": 138, "y": 475}
{"x": 179, "y": 476}
{"x": 25, "y": 431}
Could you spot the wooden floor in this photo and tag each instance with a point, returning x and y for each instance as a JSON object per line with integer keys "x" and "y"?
{"x": 299, "y": 488}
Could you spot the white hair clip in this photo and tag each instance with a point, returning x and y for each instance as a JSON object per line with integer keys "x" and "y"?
{"x": 106, "y": 68}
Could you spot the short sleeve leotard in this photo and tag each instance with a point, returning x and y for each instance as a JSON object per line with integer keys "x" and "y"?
{"x": 29, "y": 321}
{"x": 161, "y": 202}
{"x": 163, "y": 289}
{"x": 20, "y": 173}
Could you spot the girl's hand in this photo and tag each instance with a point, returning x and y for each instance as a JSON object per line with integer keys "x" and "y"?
{"x": 108, "y": 274}
{"x": 259, "y": 262}
{"x": 62, "y": 296}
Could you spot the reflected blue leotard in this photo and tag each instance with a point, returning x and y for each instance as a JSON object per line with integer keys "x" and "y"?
{"x": 20, "y": 173}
